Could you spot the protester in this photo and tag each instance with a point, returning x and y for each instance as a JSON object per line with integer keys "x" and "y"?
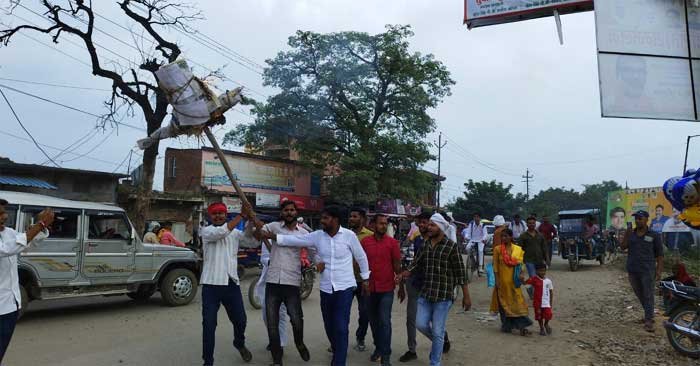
{"x": 645, "y": 263}
{"x": 166, "y": 237}
{"x": 11, "y": 244}
{"x": 517, "y": 226}
{"x": 336, "y": 247}
{"x": 151, "y": 236}
{"x": 549, "y": 232}
{"x": 499, "y": 222}
{"x": 507, "y": 299}
{"x": 220, "y": 283}
{"x": 442, "y": 266}
{"x": 543, "y": 299}
{"x": 260, "y": 293}
{"x": 537, "y": 223}
{"x": 384, "y": 264}
{"x": 283, "y": 281}
{"x": 356, "y": 223}
{"x": 533, "y": 244}
{"x": 475, "y": 235}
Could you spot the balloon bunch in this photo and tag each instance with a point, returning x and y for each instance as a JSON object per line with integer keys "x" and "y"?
{"x": 684, "y": 194}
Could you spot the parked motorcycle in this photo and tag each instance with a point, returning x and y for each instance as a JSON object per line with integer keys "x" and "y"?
{"x": 683, "y": 311}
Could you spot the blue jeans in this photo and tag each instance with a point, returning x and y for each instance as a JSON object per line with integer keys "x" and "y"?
{"x": 7, "y": 328}
{"x": 531, "y": 270}
{"x": 335, "y": 309}
{"x": 212, "y": 298}
{"x": 430, "y": 321}
{"x": 379, "y": 311}
{"x": 362, "y": 317}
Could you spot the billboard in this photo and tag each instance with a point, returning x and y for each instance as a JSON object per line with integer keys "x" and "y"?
{"x": 250, "y": 173}
{"x": 622, "y": 204}
{"x": 645, "y": 58}
{"x": 479, "y": 13}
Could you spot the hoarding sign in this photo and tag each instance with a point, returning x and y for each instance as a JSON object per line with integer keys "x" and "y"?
{"x": 303, "y": 202}
{"x": 250, "y": 174}
{"x": 267, "y": 200}
{"x": 233, "y": 204}
{"x": 646, "y": 52}
{"x": 478, "y": 13}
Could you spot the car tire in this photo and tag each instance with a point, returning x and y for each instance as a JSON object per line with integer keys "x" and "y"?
{"x": 179, "y": 287}
{"x": 25, "y": 300}
{"x": 143, "y": 293}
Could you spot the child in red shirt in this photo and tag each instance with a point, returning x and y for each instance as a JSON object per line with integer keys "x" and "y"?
{"x": 543, "y": 297}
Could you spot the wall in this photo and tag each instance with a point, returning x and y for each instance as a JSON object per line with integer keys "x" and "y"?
{"x": 187, "y": 169}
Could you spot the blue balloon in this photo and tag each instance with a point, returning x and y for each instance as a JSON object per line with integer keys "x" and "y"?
{"x": 685, "y": 192}
{"x": 690, "y": 173}
{"x": 668, "y": 192}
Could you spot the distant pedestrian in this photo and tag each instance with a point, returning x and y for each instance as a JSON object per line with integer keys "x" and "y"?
{"x": 441, "y": 263}
{"x": 356, "y": 223}
{"x": 166, "y": 237}
{"x": 517, "y": 226}
{"x": 500, "y": 224}
{"x": 645, "y": 263}
{"x": 549, "y": 232}
{"x": 543, "y": 299}
{"x": 475, "y": 235}
{"x": 384, "y": 260}
{"x": 507, "y": 299}
{"x": 11, "y": 244}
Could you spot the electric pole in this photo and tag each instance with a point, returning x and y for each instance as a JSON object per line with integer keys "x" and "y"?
{"x": 527, "y": 177}
{"x": 440, "y": 145}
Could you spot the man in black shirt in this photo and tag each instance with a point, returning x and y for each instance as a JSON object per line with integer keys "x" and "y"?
{"x": 645, "y": 262}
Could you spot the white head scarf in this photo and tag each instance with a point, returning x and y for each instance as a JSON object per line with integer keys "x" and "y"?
{"x": 499, "y": 221}
{"x": 440, "y": 222}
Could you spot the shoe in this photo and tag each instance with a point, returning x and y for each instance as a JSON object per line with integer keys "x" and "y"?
{"x": 446, "y": 347}
{"x": 360, "y": 346}
{"x": 375, "y": 357}
{"x": 543, "y": 332}
{"x": 649, "y": 326}
{"x": 245, "y": 354}
{"x": 303, "y": 352}
{"x": 408, "y": 356}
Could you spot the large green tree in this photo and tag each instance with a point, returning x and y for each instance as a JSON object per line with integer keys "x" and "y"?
{"x": 487, "y": 198}
{"x": 355, "y": 105}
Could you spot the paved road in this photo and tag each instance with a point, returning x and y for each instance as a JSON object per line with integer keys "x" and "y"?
{"x": 118, "y": 331}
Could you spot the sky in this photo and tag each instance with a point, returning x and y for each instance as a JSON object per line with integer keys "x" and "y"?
{"x": 521, "y": 101}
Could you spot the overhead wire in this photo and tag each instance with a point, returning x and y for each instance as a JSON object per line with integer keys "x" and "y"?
{"x": 81, "y": 140}
{"x": 25, "y": 129}
{"x": 54, "y": 84}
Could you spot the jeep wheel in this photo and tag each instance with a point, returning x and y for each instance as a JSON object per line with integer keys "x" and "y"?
{"x": 25, "y": 300}
{"x": 178, "y": 287}
{"x": 143, "y": 293}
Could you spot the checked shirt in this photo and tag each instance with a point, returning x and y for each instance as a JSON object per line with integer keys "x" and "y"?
{"x": 443, "y": 270}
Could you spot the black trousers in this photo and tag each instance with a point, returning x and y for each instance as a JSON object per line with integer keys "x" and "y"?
{"x": 275, "y": 296}
{"x": 7, "y": 327}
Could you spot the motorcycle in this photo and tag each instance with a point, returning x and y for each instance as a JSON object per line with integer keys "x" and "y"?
{"x": 308, "y": 277}
{"x": 683, "y": 311}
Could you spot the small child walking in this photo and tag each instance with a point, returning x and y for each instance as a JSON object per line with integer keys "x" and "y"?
{"x": 543, "y": 298}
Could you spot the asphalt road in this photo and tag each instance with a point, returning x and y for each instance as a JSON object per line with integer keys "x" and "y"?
{"x": 118, "y": 331}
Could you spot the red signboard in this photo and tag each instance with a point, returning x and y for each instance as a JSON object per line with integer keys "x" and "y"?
{"x": 305, "y": 203}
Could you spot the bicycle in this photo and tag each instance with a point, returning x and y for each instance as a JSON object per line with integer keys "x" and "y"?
{"x": 472, "y": 262}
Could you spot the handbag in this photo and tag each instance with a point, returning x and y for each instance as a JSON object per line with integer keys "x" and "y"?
{"x": 490, "y": 275}
{"x": 516, "y": 275}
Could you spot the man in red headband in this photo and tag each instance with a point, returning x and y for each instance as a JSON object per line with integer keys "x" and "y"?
{"x": 220, "y": 283}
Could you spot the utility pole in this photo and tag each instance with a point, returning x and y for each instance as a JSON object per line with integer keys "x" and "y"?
{"x": 527, "y": 177}
{"x": 440, "y": 145}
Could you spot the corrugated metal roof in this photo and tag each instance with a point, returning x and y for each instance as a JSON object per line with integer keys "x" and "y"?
{"x": 25, "y": 182}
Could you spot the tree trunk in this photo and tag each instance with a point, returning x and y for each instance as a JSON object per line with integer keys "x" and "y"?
{"x": 144, "y": 192}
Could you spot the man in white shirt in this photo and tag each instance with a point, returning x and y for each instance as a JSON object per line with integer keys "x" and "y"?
{"x": 220, "y": 283}
{"x": 475, "y": 235}
{"x": 517, "y": 226}
{"x": 11, "y": 245}
{"x": 335, "y": 247}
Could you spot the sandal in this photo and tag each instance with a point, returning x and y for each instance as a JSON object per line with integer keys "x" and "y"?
{"x": 548, "y": 329}
{"x": 543, "y": 332}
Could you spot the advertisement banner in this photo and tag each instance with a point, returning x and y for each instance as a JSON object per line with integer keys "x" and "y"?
{"x": 233, "y": 204}
{"x": 397, "y": 207}
{"x": 250, "y": 174}
{"x": 644, "y": 58}
{"x": 622, "y": 204}
{"x": 267, "y": 200}
{"x": 478, "y": 13}
{"x": 303, "y": 202}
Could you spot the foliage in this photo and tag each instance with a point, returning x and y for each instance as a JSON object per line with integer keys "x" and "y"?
{"x": 354, "y": 102}
{"x": 487, "y": 198}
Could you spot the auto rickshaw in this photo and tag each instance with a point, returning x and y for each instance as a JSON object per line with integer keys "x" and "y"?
{"x": 580, "y": 237}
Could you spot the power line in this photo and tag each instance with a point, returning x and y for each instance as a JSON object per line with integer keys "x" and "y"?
{"x": 91, "y": 150}
{"x": 25, "y": 129}
{"x": 54, "y": 85}
{"x": 70, "y": 107}
{"x": 83, "y": 139}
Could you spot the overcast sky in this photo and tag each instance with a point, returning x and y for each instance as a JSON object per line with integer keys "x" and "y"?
{"x": 521, "y": 100}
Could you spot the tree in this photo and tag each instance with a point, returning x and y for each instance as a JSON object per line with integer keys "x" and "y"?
{"x": 552, "y": 200}
{"x": 133, "y": 85}
{"x": 487, "y": 198}
{"x": 355, "y": 104}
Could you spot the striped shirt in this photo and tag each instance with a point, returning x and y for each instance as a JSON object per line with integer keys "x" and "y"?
{"x": 220, "y": 247}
